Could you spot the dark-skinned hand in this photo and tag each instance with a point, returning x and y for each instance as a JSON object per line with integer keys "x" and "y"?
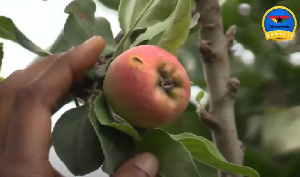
{"x": 27, "y": 98}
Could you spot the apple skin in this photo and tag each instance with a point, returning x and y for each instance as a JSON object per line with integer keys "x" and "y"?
{"x": 133, "y": 89}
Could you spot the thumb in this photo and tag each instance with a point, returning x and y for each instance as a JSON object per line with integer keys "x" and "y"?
{"x": 142, "y": 165}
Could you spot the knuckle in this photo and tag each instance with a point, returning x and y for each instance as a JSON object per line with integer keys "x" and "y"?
{"x": 12, "y": 78}
{"x": 16, "y": 74}
{"x": 11, "y": 83}
{"x": 24, "y": 94}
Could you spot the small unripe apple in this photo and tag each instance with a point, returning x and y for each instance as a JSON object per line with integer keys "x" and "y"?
{"x": 147, "y": 86}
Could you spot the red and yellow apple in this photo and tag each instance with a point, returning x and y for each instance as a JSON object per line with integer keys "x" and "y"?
{"x": 147, "y": 86}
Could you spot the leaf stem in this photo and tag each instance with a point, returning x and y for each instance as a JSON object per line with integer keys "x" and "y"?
{"x": 132, "y": 26}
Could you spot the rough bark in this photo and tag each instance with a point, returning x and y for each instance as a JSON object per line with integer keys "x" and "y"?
{"x": 213, "y": 46}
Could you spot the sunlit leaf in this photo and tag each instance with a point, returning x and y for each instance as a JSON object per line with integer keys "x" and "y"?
{"x": 129, "y": 11}
{"x": 76, "y": 143}
{"x": 205, "y": 151}
{"x": 175, "y": 160}
{"x": 158, "y": 12}
{"x": 129, "y": 17}
{"x": 176, "y": 34}
{"x": 9, "y": 31}
{"x": 154, "y": 33}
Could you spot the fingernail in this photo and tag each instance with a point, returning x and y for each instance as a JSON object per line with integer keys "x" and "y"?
{"x": 148, "y": 163}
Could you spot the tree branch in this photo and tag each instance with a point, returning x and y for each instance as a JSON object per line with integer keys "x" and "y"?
{"x": 214, "y": 47}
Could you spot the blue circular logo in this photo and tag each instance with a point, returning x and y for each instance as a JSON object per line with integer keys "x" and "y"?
{"x": 279, "y": 23}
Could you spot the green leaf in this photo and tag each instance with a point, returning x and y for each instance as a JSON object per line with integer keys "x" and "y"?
{"x": 158, "y": 12}
{"x": 129, "y": 28}
{"x": 82, "y": 25}
{"x": 117, "y": 146}
{"x": 1, "y": 54}
{"x": 60, "y": 44}
{"x": 113, "y": 4}
{"x": 76, "y": 143}
{"x": 102, "y": 28}
{"x": 104, "y": 117}
{"x": 176, "y": 34}
{"x": 155, "y": 39}
{"x": 129, "y": 11}
{"x": 205, "y": 170}
{"x": 9, "y": 31}
{"x": 205, "y": 151}
{"x": 80, "y": 22}
{"x": 154, "y": 33}
{"x": 1, "y": 79}
{"x": 175, "y": 160}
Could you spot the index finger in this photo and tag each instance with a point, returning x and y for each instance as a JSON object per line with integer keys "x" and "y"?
{"x": 30, "y": 128}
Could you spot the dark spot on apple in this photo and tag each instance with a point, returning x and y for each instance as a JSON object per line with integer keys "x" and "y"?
{"x": 165, "y": 82}
{"x": 136, "y": 59}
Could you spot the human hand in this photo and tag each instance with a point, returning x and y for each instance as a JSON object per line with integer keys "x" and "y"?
{"x": 27, "y": 98}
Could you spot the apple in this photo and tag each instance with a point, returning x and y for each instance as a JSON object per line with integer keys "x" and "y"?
{"x": 147, "y": 86}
